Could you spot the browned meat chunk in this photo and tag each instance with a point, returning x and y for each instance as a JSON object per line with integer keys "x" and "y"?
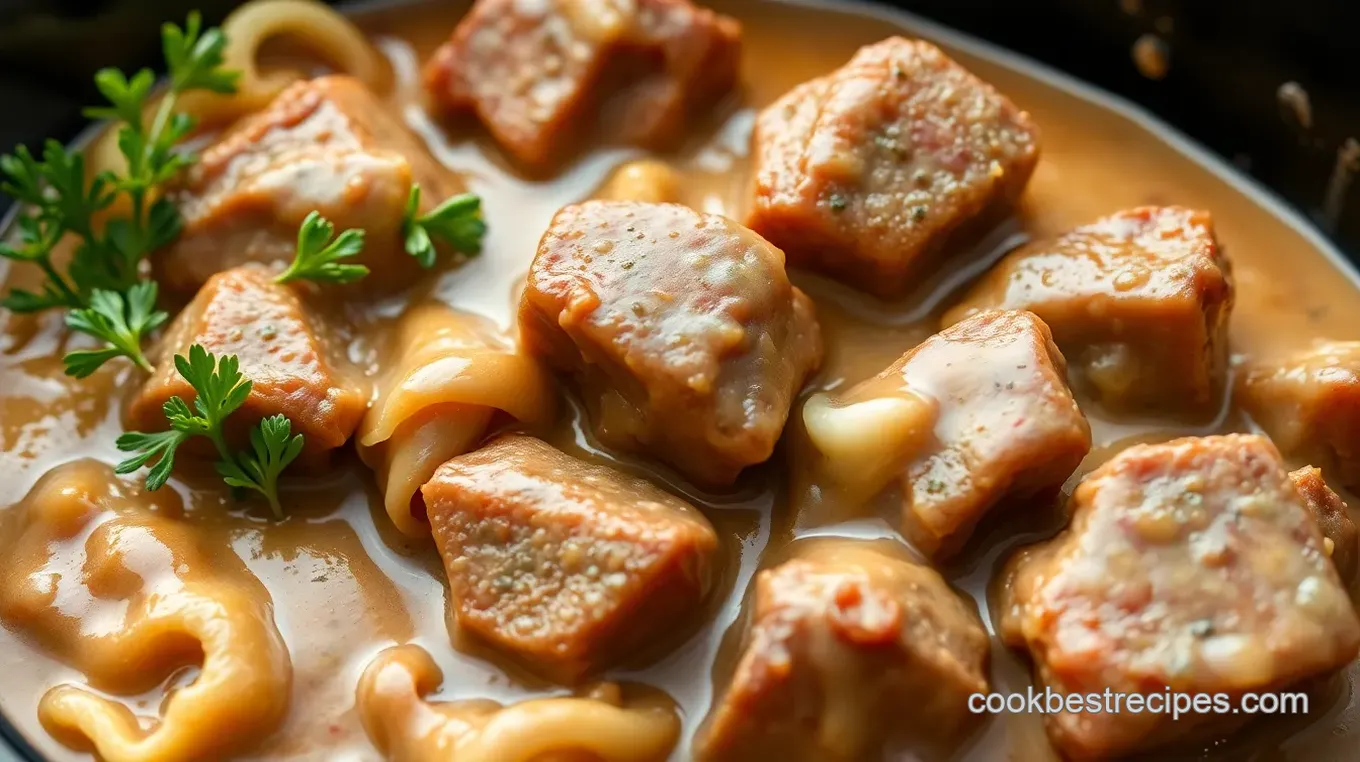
{"x": 536, "y": 73}
{"x": 1310, "y": 407}
{"x": 681, "y": 328}
{"x": 326, "y": 145}
{"x": 564, "y": 565}
{"x": 1004, "y": 424}
{"x": 871, "y": 172}
{"x": 1333, "y": 518}
{"x": 1192, "y": 566}
{"x": 293, "y": 366}
{"x": 1138, "y": 300}
{"x": 850, "y": 646}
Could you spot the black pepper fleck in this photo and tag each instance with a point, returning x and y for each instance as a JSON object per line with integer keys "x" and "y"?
{"x": 837, "y": 202}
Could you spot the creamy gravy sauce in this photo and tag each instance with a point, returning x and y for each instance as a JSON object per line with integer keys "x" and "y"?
{"x": 344, "y": 584}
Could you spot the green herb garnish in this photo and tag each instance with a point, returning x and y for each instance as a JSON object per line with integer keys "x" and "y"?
{"x": 273, "y": 445}
{"x": 219, "y": 390}
{"x": 318, "y": 256}
{"x": 458, "y": 222}
{"x": 104, "y": 281}
{"x": 120, "y": 322}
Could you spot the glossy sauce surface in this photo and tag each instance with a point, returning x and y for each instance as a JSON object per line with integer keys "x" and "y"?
{"x": 344, "y": 584}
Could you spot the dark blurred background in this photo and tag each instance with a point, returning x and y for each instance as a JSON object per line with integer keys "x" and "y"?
{"x": 1272, "y": 85}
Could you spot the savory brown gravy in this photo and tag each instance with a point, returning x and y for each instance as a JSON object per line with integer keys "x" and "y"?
{"x": 344, "y": 584}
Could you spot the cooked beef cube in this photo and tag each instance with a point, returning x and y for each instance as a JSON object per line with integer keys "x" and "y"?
{"x": 565, "y": 566}
{"x": 1310, "y": 407}
{"x": 682, "y": 330}
{"x": 849, "y": 647}
{"x": 326, "y": 145}
{"x": 1193, "y": 566}
{"x": 537, "y": 74}
{"x": 873, "y": 171}
{"x": 1138, "y": 300}
{"x": 294, "y": 366}
{"x": 1004, "y": 424}
{"x": 1333, "y": 518}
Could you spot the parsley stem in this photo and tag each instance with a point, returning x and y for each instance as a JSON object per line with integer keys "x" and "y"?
{"x": 163, "y": 112}
{"x": 220, "y": 442}
{"x": 131, "y": 259}
{"x": 274, "y": 504}
{"x": 138, "y": 193}
{"x": 139, "y": 358}
{"x": 73, "y": 299}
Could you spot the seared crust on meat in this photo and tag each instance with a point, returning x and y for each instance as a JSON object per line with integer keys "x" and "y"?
{"x": 1333, "y": 518}
{"x": 294, "y": 364}
{"x": 1309, "y": 404}
{"x": 1138, "y": 301}
{"x": 563, "y": 565}
{"x": 535, "y": 73}
{"x": 681, "y": 329}
{"x": 326, "y": 145}
{"x": 871, "y": 173}
{"x": 850, "y": 645}
{"x": 1192, "y": 566}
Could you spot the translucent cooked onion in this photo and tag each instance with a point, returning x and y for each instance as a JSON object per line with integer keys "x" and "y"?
{"x": 864, "y": 443}
{"x": 408, "y": 728}
{"x": 144, "y": 598}
{"x": 451, "y": 373}
{"x": 318, "y": 29}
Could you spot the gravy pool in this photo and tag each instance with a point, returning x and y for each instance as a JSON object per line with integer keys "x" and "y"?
{"x": 344, "y": 584}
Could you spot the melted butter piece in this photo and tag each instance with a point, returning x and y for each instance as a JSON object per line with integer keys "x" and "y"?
{"x": 868, "y": 437}
{"x": 451, "y": 373}
{"x": 127, "y": 597}
{"x": 595, "y": 728}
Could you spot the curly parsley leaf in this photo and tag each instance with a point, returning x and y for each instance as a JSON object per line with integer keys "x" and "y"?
{"x": 37, "y": 236}
{"x": 194, "y": 57}
{"x": 120, "y": 321}
{"x": 62, "y": 199}
{"x": 220, "y": 390}
{"x": 157, "y": 446}
{"x": 126, "y": 97}
{"x": 457, "y": 221}
{"x": 273, "y": 446}
{"x": 218, "y": 384}
{"x": 21, "y": 176}
{"x": 319, "y": 252}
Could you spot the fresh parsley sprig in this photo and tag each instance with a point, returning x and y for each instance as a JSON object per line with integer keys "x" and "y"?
{"x": 120, "y": 322}
{"x": 194, "y": 59}
{"x": 457, "y": 221}
{"x": 318, "y": 256}
{"x": 220, "y": 389}
{"x": 54, "y": 188}
{"x": 61, "y": 200}
{"x": 273, "y": 446}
